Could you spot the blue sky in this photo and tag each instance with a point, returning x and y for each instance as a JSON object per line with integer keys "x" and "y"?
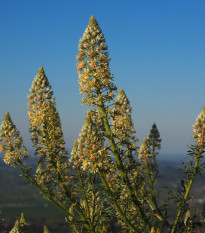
{"x": 157, "y": 51}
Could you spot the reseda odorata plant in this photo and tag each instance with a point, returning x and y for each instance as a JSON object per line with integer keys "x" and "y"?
{"x": 107, "y": 180}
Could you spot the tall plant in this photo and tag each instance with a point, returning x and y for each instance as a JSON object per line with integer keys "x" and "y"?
{"x": 105, "y": 179}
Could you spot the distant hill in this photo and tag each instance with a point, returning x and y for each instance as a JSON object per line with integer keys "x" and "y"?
{"x": 40, "y": 212}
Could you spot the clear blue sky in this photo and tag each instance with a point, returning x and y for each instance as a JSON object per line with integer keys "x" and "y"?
{"x": 157, "y": 50}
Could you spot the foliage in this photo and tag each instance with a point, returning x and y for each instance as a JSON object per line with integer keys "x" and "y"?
{"x": 106, "y": 179}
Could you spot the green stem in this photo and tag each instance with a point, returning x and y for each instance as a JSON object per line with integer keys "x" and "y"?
{"x": 68, "y": 194}
{"x": 64, "y": 188}
{"x": 188, "y": 188}
{"x": 86, "y": 199}
{"x": 117, "y": 207}
{"x": 153, "y": 195}
{"x": 33, "y": 181}
{"x": 120, "y": 165}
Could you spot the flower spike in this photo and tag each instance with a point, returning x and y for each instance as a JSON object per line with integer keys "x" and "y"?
{"x": 12, "y": 143}
{"x": 144, "y": 151}
{"x": 199, "y": 127}
{"x": 88, "y": 150}
{"x": 93, "y": 69}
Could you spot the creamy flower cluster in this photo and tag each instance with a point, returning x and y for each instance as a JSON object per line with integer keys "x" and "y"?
{"x": 93, "y": 69}
{"x": 16, "y": 228}
{"x": 123, "y": 129}
{"x": 144, "y": 151}
{"x": 199, "y": 127}
{"x": 88, "y": 151}
{"x": 46, "y": 132}
{"x": 21, "y": 226}
{"x": 11, "y": 142}
{"x": 40, "y": 93}
{"x": 122, "y": 121}
{"x": 44, "y": 119}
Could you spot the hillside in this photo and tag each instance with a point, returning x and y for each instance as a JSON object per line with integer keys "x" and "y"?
{"x": 17, "y": 196}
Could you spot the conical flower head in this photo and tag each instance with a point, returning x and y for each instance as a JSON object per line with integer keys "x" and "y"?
{"x": 199, "y": 127}
{"x": 93, "y": 69}
{"x": 7, "y": 123}
{"x": 7, "y": 117}
{"x": 23, "y": 224}
{"x": 40, "y": 82}
{"x": 75, "y": 153}
{"x": 11, "y": 142}
{"x": 123, "y": 129}
{"x": 45, "y": 125}
{"x": 52, "y": 131}
{"x": 88, "y": 150}
{"x": 46, "y": 230}
{"x": 40, "y": 92}
{"x": 154, "y": 140}
{"x": 46, "y": 133}
{"x": 16, "y": 228}
{"x": 144, "y": 151}
{"x": 122, "y": 121}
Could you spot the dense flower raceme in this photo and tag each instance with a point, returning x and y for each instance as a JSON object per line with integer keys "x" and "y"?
{"x": 124, "y": 134}
{"x": 11, "y": 142}
{"x": 23, "y": 223}
{"x": 16, "y": 228}
{"x": 89, "y": 156}
{"x": 46, "y": 229}
{"x": 21, "y": 226}
{"x": 93, "y": 69}
{"x": 122, "y": 124}
{"x": 89, "y": 151}
{"x": 144, "y": 151}
{"x": 123, "y": 128}
{"x": 96, "y": 84}
{"x": 45, "y": 123}
{"x": 46, "y": 132}
{"x": 105, "y": 180}
{"x": 199, "y": 127}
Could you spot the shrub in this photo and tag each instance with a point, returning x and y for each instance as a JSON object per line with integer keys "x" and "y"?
{"x": 106, "y": 179}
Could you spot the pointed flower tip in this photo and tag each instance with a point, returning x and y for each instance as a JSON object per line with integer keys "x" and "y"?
{"x": 87, "y": 117}
{"x": 7, "y": 117}
{"x": 46, "y": 229}
{"x": 92, "y": 21}
{"x": 144, "y": 141}
{"x": 121, "y": 91}
{"x": 41, "y": 70}
{"x": 75, "y": 143}
{"x": 22, "y": 216}
{"x": 16, "y": 226}
{"x": 92, "y": 18}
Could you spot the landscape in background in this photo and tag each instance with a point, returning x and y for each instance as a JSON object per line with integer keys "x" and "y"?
{"x": 18, "y": 196}
{"x": 157, "y": 50}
